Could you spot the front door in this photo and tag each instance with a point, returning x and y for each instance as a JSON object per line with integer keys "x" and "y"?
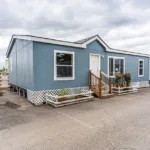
{"x": 95, "y": 64}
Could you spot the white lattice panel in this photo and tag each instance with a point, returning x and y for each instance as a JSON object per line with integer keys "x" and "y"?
{"x": 30, "y": 95}
{"x": 141, "y": 84}
{"x": 144, "y": 84}
{"x": 38, "y": 97}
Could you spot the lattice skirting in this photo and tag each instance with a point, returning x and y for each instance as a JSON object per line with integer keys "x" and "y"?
{"x": 141, "y": 84}
{"x": 39, "y": 97}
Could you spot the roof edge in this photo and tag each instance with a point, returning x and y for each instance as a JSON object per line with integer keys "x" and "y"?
{"x": 71, "y": 44}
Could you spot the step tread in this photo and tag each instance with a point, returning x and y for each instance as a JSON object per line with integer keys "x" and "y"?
{"x": 108, "y": 94}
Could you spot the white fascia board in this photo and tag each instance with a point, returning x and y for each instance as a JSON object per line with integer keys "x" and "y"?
{"x": 127, "y": 53}
{"x": 37, "y": 39}
{"x": 65, "y": 43}
{"x": 11, "y": 41}
{"x": 108, "y": 49}
{"x": 93, "y": 39}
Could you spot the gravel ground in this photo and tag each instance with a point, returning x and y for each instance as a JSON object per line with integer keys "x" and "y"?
{"x": 118, "y": 123}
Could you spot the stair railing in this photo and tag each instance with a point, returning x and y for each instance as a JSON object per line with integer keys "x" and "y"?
{"x": 97, "y": 83}
{"x": 106, "y": 80}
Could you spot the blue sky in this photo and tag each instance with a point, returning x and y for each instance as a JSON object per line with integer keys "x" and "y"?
{"x": 123, "y": 24}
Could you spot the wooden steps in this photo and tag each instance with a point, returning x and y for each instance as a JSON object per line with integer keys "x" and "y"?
{"x": 104, "y": 96}
{"x": 101, "y": 86}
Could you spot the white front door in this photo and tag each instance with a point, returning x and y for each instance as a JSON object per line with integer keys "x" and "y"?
{"x": 95, "y": 64}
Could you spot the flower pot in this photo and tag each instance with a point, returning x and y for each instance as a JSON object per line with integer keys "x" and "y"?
{"x": 79, "y": 96}
{"x": 124, "y": 85}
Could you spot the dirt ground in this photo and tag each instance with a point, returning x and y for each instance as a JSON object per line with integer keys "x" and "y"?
{"x": 118, "y": 123}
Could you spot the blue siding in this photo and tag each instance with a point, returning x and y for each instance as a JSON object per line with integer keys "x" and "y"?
{"x": 44, "y": 65}
{"x": 22, "y": 64}
{"x": 131, "y": 65}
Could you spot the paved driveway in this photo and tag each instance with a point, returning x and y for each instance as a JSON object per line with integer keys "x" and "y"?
{"x": 4, "y": 82}
{"x": 118, "y": 123}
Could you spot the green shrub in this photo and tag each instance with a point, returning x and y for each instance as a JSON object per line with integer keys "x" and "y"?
{"x": 127, "y": 78}
{"x": 118, "y": 79}
{"x": 62, "y": 92}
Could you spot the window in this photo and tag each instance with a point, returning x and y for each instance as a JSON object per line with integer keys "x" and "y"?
{"x": 141, "y": 68}
{"x": 63, "y": 65}
{"x": 116, "y": 65}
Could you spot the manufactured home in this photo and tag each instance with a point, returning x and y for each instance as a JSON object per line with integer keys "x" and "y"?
{"x": 40, "y": 65}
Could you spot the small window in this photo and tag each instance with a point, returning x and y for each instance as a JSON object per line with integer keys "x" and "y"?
{"x": 64, "y": 65}
{"x": 116, "y": 65}
{"x": 141, "y": 68}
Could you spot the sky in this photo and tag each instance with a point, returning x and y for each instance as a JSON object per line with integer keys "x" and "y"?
{"x": 122, "y": 24}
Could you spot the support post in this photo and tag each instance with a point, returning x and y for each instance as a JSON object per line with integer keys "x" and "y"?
{"x": 56, "y": 99}
{"x": 19, "y": 91}
{"x": 24, "y": 95}
{"x": 110, "y": 85}
{"x": 119, "y": 90}
{"x": 100, "y": 84}
{"x": 13, "y": 89}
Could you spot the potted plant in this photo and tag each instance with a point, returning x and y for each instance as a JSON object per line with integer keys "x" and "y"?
{"x": 127, "y": 78}
{"x": 118, "y": 79}
{"x": 63, "y": 95}
{"x": 62, "y": 92}
{"x": 79, "y": 96}
{"x": 123, "y": 81}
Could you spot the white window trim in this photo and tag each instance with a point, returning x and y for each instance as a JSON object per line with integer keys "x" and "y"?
{"x": 90, "y": 60}
{"x": 114, "y": 57}
{"x": 139, "y": 66}
{"x": 55, "y": 69}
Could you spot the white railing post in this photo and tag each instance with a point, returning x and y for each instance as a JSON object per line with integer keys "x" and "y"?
{"x": 119, "y": 90}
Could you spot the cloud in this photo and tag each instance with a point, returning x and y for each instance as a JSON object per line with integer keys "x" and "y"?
{"x": 123, "y": 24}
{"x": 2, "y": 52}
{"x": 8, "y": 18}
{"x": 2, "y": 60}
{"x": 143, "y": 3}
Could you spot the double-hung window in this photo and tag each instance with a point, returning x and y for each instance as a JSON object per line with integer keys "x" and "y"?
{"x": 63, "y": 65}
{"x": 141, "y": 68}
{"x": 116, "y": 65}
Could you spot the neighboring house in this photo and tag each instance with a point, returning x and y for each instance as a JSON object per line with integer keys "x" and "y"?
{"x": 39, "y": 64}
{"x": 5, "y": 68}
{"x": 6, "y": 64}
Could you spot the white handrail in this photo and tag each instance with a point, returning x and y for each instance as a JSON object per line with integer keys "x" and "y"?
{"x": 94, "y": 74}
{"x": 123, "y": 87}
{"x": 105, "y": 75}
{"x": 104, "y": 83}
